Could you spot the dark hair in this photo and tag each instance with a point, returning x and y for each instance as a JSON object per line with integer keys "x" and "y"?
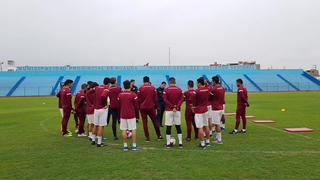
{"x": 83, "y": 86}
{"x": 126, "y": 84}
{"x": 216, "y": 79}
{"x": 172, "y": 80}
{"x": 132, "y": 80}
{"x": 106, "y": 81}
{"x": 94, "y": 84}
{"x": 67, "y": 82}
{"x": 89, "y": 83}
{"x": 146, "y": 79}
{"x": 163, "y": 82}
{"x": 200, "y": 80}
{"x": 190, "y": 83}
{"x": 113, "y": 80}
{"x": 239, "y": 81}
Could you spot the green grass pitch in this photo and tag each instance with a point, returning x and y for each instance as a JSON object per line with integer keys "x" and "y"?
{"x": 31, "y": 147}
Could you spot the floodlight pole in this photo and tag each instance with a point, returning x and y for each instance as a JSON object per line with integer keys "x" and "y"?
{"x": 169, "y": 56}
{"x": 1, "y": 66}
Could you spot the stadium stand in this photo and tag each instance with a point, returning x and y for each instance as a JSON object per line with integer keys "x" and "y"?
{"x": 46, "y": 80}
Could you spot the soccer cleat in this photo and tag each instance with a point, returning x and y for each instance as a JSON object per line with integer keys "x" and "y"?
{"x": 168, "y": 146}
{"x": 115, "y": 138}
{"x": 67, "y": 135}
{"x": 223, "y": 129}
{"x": 208, "y": 144}
{"x": 243, "y": 131}
{"x": 202, "y": 147}
{"x": 100, "y": 145}
{"x": 148, "y": 139}
{"x": 160, "y": 138}
{"x": 188, "y": 139}
{"x": 217, "y": 142}
{"x": 135, "y": 148}
{"x": 76, "y": 131}
{"x": 181, "y": 146}
{"x": 125, "y": 149}
{"x": 82, "y": 135}
{"x": 233, "y": 132}
{"x": 93, "y": 142}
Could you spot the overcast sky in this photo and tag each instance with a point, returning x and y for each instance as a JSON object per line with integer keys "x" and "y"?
{"x": 277, "y": 33}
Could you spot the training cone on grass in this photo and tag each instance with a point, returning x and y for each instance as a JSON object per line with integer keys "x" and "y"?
{"x": 263, "y": 121}
{"x": 250, "y": 117}
{"x": 230, "y": 114}
{"x": 298, "y": 129}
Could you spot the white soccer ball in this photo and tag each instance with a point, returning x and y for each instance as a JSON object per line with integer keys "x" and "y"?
{"x": 172, "y": 141}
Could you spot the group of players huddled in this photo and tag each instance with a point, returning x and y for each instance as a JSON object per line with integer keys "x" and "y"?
{"x": 205, "y": 107}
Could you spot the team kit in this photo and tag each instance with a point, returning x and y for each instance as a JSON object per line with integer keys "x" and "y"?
{"x": 204, "y": 110}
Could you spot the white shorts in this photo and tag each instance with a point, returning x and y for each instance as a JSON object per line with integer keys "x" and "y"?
{"x": 224, "y": 109}
{"x": 128, "y": 124}
{"x": 90, "y": 118}
{"x": 61, "y": 112}
{"x": 216, "y": 117}
{"x": 173, "y": 118}
{"x": 209, "y": 111}
{"x": 201, "y": 120}
{"x": 100, "y": 117}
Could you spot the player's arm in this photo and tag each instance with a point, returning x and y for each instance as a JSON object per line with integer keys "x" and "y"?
{"x": 180, "y": 100}
{"x": 243, "y": 97}
{"x": 166, "y": 101}
{"x": 136, "y": 106}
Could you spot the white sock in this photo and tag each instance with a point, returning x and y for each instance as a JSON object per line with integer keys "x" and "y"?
{"x": 168, "y": 137}
{"x": 208, "y": 141}
{"x": 223, "y": 125}
{"x": 125, "y": 145}
{"x": 93, "y": 137}
{"x": 99, "y": 139}
{"x": 134, "y": 144}
{"x": 180, "y": 138}
{"x": 203, "y": 143}
{"x": 218, "y": 136}
{"x": 90, "y": 134}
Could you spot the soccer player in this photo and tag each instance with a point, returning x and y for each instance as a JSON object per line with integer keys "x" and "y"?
{"x": 200, "y": 100}
{"x": 218, "y": 93}
{"x": 147, "y": 97}
{"x": 207, "y": 85}
{"x": 160, "y": 106}
{"x": 129, "y": 113}
{"x": 242, "y": 104}
{"x": 80, "y": 109}
{"x": 60, "y": 105}
{"x": 114, "y": 92}
{"x": 134, "y": 88}
{"x": 100, "y": 115}
{"x": 189, "y": 115}
{"x": 173, "y": 98}
{"x": 90, "y": 94}
{"x": 66, "y": 104}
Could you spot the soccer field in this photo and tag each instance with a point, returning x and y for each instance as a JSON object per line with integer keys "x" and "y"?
{"x": 31, "y": 146}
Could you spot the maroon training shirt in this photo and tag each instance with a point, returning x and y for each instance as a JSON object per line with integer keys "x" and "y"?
{"x": 89, "y": 101}
{"x": 66, "y": 98}
{"x": 173, "y": 98}
{"x": 101, "y": 96}
{"x": 200, "y": 100}
{"x": 128, "y": 102}
{"x": 147, "y": 96}
{"x": 114, "y": 92}
{"x": 218, "y": 93}
{"x": 80, "y": 102}
{"x": 242, "y": 96}
{"x": 187, "y": 96}
{"x": 59, "y": 99}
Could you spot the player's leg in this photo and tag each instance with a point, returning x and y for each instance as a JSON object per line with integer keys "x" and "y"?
{"x": 102, "y": 123}
{"x": 144, "y": 117}
{"x": 216, "y": 121}
{"x": 194, "y": 126}
{"x": 96, "y": 117}
{"x": 188, "y": 117}
{"x": 114, "y": 114}
{"x": 153, "y": 117}
{"x": 168, "y": 123}
{"x": 199, "y": 124}
{"x": 76, "y": 122}
{"x": 66, "y": 117}
{"x": 123, "y": 128}
{"x": 109, "y": 116}
{"x": 133, "y": 126}
{"x": 223, "y": 119}
{"x": 235, "y": 131}
{"x": 177, "y": 122}
{"x": 82, "y": 118}
{"x": 244, "y": 121}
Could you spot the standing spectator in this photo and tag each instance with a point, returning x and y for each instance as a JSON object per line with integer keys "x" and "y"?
{"x": 160, "y": 106}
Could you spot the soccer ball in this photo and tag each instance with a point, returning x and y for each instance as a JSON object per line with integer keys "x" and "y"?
{"x": 129, "y": 134}
{"x": 172, "y": 141}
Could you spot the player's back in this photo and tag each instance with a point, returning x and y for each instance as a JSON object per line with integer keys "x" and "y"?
{"x": 173, "y": 94}
{"x": 188, "y": 95}
{"x": 100, "y": 101}
{"x": 218, "y": 97}
{"x": 66, "y": 97}
{"x": 89, "y": 101}
{"x": 128, "y": 104}
{"x": 114, "y": 92}
{"x": 147, "y": 95}
{"x": 201, "y": 99}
